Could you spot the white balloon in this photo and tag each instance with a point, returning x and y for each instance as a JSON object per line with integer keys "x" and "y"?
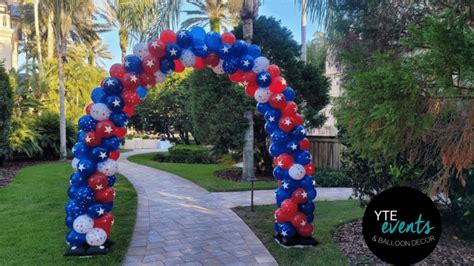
{"x": 159, "y": 76}
{"x": 108, "y": 168}
{"x": 297, "y": 171}
{"x": 141, "y": 50}
{"x": 96, "y": 237}
{"x": 219, "y": 69}
{"x": 262, "y": 95}
{"x": 100, "y": 111}
{"x": 260, "y": 64}
{"x": 83, "y": 224}
{"x": 188, "y": 59}
{"x": 74, "y": 163}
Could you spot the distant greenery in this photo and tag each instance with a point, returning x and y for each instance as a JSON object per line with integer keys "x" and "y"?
{"x": 200, "y": 174}
{"x": 331, "y": 178}
{"x": 328, "y": 216}
{"x": 32, "y": 218}
{"x": 186, "y": 154}
{"x": 6, "y": 106}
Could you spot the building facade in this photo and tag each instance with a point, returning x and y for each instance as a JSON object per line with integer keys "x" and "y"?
{"x": 9, "y": 34}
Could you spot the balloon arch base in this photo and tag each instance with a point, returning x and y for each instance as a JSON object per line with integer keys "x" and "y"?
{"x": 87, "y": 250}
{"x": 295, "y": 242}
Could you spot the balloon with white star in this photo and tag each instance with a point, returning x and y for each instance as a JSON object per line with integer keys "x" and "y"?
{"x": 297, "y": 171}
{"x": 74, "y": 163}
{"x": 188, "y": 59}
{"x": 108, "y": 168}
{"x": 262, "y": 95}
{"x": 83, "y": 224}
{"x": 260, "y": 64}
{"x": 141, "y": 50}
{"x": 100, "y": 111}
{"x": 96, "y": 237}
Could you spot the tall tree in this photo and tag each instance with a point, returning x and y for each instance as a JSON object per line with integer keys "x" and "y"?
{"x": 214, "y": 13}
{"x": 37, "y": 33}
{"x": 6, "y": 106}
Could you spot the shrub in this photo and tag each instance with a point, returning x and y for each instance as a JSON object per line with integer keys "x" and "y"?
{"x": 162, "y": 157}
{"x": 23, "y": 140}
{"x": 462, "y": 205}
{"x": 47, "y": 128}
{"x": 186, "y": 154}
{"x": 326, "y": 177}
{"x": 6, "y": 106}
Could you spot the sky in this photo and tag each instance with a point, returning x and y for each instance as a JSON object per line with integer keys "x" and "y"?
{"x": 285, "y": 10}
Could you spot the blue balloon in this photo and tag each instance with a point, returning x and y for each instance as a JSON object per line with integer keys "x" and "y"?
{"x": 303, "y": 157}
{"x": 198, "y": 33}
{"x": 111, "y": 180}
{"x": 84, "y": 195}
{"x": 276, "y": 227}
{"x": 240, "y": 48}
{"x": 246, "y": 63}
{"x": 108, "y": 206}
{"x": 98, "y": 95}
{"x": 80, "y": 135}
{"x": 114, "y": 103}
{"x": 112, "y": 143}
{"x": 226, "y": 51}
{"x": 289, "y": 183}
{"x": 262, "y": 108}
{"x": 133, "y": 64}
{"x": 77, "y": 180}
{"x": 213, "y": 41}
{"x": 141, "y": 91}
{"x": 167, "y": 65}
{"x": 281, "y": 194}
{"x": 307, "y": 208}
{"x": 69, "y": 221}
{"x": 87, "y": 123}
{"x": 85, "y": 167}
{"x": 74, "y": 208}
{"x": 310, "y": 217}
{"x": 112, "y": 86}
{"x": 280, "y": 173}
{"x": 254, "y": 51}
{"x": 272, "y": 115}
{"x": 119, "y": 119}
{"x": 311, "y": 193}
{"x": 71, "y": 192}
{"x": 287, "y": 230}
{"x": 230, "y": 66}
{"x": 275, "y": 149}
{"x": 289, "y": 93}
{"x": 184, "y": 39}
{"x": 307, "y": 182}
{"x": 264, "y": 79}
{"x": 292, "y": 146}
{"x": 298, "y": 133}
{"x": 271, "y": 127}
{"x": 100, "y": 154}
{"x": 80, "y": 150}
{"x": 96, "y": 210}
{"x": 75, "y": 239}
{"x": 279, "y": 136}
{"x": 173, "y": 51}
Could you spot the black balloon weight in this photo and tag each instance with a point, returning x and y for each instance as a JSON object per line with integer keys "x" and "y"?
{"x": 296, "y": 241}
{"x": 86, "y": 250}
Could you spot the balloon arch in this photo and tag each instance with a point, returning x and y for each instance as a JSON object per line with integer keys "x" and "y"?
{"x": 97, "y": 149}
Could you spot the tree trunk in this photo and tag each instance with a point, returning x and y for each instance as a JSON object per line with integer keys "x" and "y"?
{"x": 215, "y": 24}
{"x": 38, "y": 38}
{"x": 248, "y": 30}
{"x": 50, "y": 36}
{"x": 61, "y": 49}
{"x": 123, "y": 38}
{"x": 303, "y": 30}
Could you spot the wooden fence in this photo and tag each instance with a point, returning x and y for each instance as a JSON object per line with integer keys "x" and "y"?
{"x": 326, "y": 151}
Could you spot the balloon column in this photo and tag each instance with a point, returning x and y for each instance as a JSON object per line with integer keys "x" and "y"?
{"x": 96, "y": 152}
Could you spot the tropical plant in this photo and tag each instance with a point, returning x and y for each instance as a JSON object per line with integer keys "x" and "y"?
{"x": 23, "y": 139}
{"x": 214, "y": 13}
{"x": 46, "y": 127}
{"x": 6, "y": 106}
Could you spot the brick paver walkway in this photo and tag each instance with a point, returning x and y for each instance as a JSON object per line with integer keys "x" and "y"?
{"x": 180, "y": 223}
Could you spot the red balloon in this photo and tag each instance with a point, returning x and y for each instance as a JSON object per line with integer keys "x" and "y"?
{"x": 120, "y": 132}
{"x": 129, "y": 110}
{"x": 178, "y": 66}
{"x": 228, "y": 37}
{"x": 148, "y": 80}
{"x": 117, "y": 71}
{"x": 250, "y": 90}
{"x": 300, "y": 196}
{"x": 306, "y": 230}
{"x": 299, "y": 220}
{"x": 105, "y": 195}
{"x": 157, "y": 48}
{"x": 200, "y": 64}
{"x": 278, "y": 85}
{"x": 290, "y": 109}
{"x": 273, "y": 70}
{"x": 289, "y": 207}
{"x": 298, "y": 119}
{"x": 237, "y": 76}
{"x": 211, "y": 59}
{"x": 281, "y": 217}
{"x": 150, "y": 64}
{"x": 287, "y": 123}
{"x": 250, "y": 78}
{"x": 114, "y": 155}
{"x": 167, "y": 36}
{"x": 105, "y": 222}
{"x": 131, "y": 81}
{"x": 105, "y": 128}
{"x": 88, "y": 108}
{"x": 279, "y": 181}
{"x": 285, "y": 161}
{"x": 310, "y": 168}
{"x": 92, "y": 139}
{"x": 305, "y": 144}
{"x": 130, "y": 97}
{"x": 277, "y": 100}
{"x": 97, "y": 181}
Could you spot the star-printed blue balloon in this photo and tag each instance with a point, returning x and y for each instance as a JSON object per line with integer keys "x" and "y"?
{"x": 86, "y": 167}
{"x": 289, "y": 93}
{"x": 114, "y": 103}
{"x": 264, "y": 79}
{"x": 311, "y": 193}
{"x": 272, "y": 115}
{"x": 69, "y": 221}
{"x": 271, "y": 127}
{"x": 87, "y": 123}
{"x": 108, "y": 206}
{"x": 100, "y": 154}
{"x": 281, "y": 194}
{"x": 230, "y": 66}
{"x": 198, "y": 33}
{"x": 184, "y": 39}
{"x": 307, "y": 182}
{"x": 289, "y": 183}
{"x": 75, "y": 239}
{"x": 74, "y": 208}
{"x": 141, "y": 91}
{"x": 96, "y": 210}
{"x": 246, "y": 63}
{"x": 173, "y": 51}
{"x": 112, "y": 86}
{"x": 213, "y": 41}
{"x": 77, "y": 180}
{"x": 225, "y": 51}
{"x": 308, "y": 207}
{"x": 71, "y": 192}
{"x": 80, "y": 150}
{"x": 279, "y": 136}
{"x": 298, "y": 133}
{"x": 119, "y": 119}
{"x": 199, "y": 48}
{"x": 303, "y": 157}
{"x": 84, "y": 195}
{"x": 98, "y": 95}
{"x": 112, "y": 143}
{"x": 292, "y": 146}
{"x": 254, "y": 51}
{"x": 80, "y": 135}
{"x": 133, "y": 64}
{"x": 275, "y": 149}
{"x": 280, "y": 173}
{"x": 167, "y": 65}
{"x": 310, "y": 217}
{"x": 262, "y": 108}
{"x": 111, "y": 180}
{"x": 240, "y": 48}
{"x": 287, "y": 230}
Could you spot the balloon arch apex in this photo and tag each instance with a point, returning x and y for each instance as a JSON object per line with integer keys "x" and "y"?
{"x": 91, "y": 193}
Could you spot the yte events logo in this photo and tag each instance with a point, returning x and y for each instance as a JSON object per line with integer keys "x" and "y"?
{"x": 401, "y": 225}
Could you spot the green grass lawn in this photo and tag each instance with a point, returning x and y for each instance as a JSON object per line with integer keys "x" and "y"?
{"x": 125, "y": 150}
{"x": 328, "y": 216}
{"x": 200, "y": 174}
{"x": 32, "y": 218}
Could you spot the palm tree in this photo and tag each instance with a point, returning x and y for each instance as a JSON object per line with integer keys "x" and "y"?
{"x": 37, "y": 33}
{"x": 214, "y": 13}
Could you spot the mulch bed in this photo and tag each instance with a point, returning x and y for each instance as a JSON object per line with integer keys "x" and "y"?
{"x": 235, "y": 174}
{"x": 9, "y": 170}
{"x": 450, "y": 249}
